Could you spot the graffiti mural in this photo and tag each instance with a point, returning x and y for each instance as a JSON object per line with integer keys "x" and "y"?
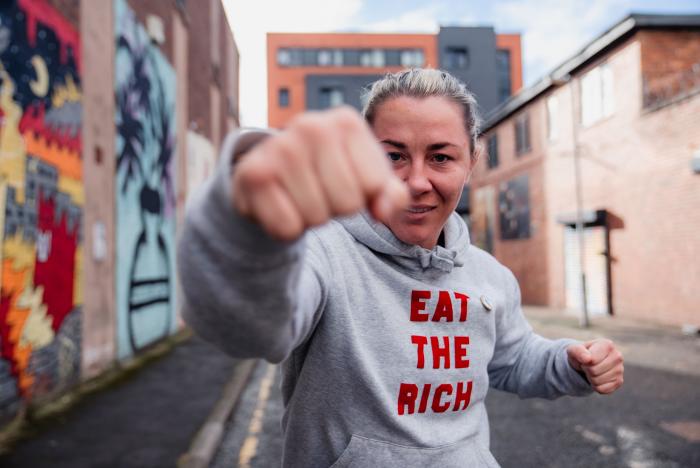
{"x": 514, "y": 208}
{"x": 41, "y": 200}
{"x": 145, "y": 191}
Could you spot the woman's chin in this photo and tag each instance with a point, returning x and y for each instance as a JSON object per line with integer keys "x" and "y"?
{"x": 416, "y": 237}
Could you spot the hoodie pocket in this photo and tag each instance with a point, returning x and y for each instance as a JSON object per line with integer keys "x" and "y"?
{"x": 363, "y": 452}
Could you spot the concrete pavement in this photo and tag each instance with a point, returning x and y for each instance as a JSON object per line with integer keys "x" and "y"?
{"x": 644, "y": 344}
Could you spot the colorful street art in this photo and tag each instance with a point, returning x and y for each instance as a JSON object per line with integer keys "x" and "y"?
{"x": 514, "y": 208}
{"x": 145, "y": 191}
{"x": 41, "y": 200}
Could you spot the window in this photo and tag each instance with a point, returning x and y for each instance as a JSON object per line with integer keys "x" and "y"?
{"x": 338, "y": 57}
{"x": 552, "y": 118}
{"x": 492, "y": 147}
{"x": 503, "y": 74}
{"x": 331, "y": 97}
{"x": 456, "y": 57}
{"x": 325, "y": 57}
{"x": 412, "y": 58}
{"x": 522, "y": 134}
{"x": 309, "y": 57}
{"x": 284, "y": 57}
{"x": 366, "y": 58}
{"x": 597, "y": 100}
{"x": 283, "y": 97}
{"x": 378, "y": 58}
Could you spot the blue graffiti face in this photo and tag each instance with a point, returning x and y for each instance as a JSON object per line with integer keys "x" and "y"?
{"x": 145, "y": 98}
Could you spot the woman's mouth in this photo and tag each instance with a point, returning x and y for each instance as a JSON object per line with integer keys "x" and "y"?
{"x": 418, "y": 209}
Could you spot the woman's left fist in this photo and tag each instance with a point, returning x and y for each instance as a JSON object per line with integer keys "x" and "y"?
{"x": 601, "y": 361}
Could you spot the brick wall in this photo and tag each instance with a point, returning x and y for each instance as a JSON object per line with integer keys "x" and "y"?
{"x": 635, "y": 164}
{"x": 665, "y": 54}
{"x": 525, "y": 257}
{"x": 209, "y": 85}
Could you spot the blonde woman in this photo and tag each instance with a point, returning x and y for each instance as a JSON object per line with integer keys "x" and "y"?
{"x": 333, "y": 248}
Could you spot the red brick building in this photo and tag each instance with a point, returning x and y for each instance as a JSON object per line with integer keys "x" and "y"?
{"x": 628, "y": 107}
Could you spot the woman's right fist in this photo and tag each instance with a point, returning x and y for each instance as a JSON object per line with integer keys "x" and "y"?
{"x": 325, "y": 164}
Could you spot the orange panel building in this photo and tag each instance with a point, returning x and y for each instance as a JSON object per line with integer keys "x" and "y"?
{"x": 316, "y": 71}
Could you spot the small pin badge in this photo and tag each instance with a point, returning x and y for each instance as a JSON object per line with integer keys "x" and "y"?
{"x": 486, "y": 303}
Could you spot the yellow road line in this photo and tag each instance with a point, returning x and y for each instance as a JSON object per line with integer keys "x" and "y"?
{"x": 250, "y": 446}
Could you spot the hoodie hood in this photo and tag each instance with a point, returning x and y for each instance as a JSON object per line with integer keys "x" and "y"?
{"x": 379, "y": 238}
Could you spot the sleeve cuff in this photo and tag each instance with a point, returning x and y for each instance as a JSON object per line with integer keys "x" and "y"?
{"x": 214, "y": 205}
{"x": 576, "y": 381}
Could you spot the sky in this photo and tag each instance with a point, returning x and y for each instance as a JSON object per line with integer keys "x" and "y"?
{"x": 552, "y": 30}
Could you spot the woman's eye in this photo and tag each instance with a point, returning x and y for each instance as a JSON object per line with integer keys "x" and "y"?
{"x": 441, "y": 158}
{"x": 395, "y": 157}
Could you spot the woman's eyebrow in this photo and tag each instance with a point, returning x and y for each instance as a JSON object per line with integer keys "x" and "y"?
{"x": 441, "y": 145}
{"x": 397, "y": 144}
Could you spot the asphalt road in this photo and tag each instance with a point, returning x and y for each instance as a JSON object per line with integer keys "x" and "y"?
{"x": 652, "y": 422}
{"x": 145, "y": 420}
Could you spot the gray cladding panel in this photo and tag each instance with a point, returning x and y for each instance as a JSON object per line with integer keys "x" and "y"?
{"x": 481, "y": 74}
{"x": 351, "y": 85}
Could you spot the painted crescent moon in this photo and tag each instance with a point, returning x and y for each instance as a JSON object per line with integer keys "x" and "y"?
{"x": 40, "y": 86}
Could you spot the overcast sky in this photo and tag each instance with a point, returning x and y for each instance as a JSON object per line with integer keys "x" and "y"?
{"x": 552, "y": 30}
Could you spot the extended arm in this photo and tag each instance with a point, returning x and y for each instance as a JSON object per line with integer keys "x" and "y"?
{"x": 250, "y": 294}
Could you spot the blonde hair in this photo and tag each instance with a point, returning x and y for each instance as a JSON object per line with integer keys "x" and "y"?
{"x": 422, "y": 83}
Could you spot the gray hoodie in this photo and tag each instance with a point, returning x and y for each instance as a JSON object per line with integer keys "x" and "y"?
{"x": 387, "y": 349}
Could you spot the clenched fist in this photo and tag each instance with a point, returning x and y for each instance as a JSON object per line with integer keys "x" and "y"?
{"x": 601, "y": 361}
{"x": 325, "y": 164}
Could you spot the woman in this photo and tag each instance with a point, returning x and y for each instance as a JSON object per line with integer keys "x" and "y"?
{"x": 333, "y": 247}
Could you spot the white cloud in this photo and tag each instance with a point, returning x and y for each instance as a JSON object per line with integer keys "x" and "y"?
{"x": 421, "y": 20}
{"x": 252, "y": 19}
{"x": 554, "y": 30}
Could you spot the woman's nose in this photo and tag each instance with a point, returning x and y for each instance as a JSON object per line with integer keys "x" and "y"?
{"x": 417, "y": 180}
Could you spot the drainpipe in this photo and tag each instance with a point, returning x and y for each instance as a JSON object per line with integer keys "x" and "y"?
{"x": 573, "y": 83}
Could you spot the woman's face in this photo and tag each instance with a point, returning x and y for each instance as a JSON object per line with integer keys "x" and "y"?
{"x": 426, "y": 142}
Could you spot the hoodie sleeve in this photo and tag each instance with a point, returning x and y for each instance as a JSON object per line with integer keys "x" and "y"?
{"x": 249, "y": 294}
{"x": 526, "y": 363}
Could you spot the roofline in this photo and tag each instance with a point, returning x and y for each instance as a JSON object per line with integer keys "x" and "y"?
{"x": 562, "y": 74}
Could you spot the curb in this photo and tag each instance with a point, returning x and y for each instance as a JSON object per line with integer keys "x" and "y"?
{"x": 206, "y": 441}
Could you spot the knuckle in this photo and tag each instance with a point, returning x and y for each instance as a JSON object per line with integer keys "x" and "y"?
{"x": 288, "y": 231}
{"x": 347, "y": 119}
{"x": 254, "y": 173}
{"x": 291, "y": 153}
{"x": 309, "y": 124}
{"x": 318, "y": 215}
{"x": 349, "y": 204}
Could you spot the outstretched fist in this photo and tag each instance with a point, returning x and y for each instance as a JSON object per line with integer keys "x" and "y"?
{"x": 601, "y": 361}
{"x": 325, "y": 164}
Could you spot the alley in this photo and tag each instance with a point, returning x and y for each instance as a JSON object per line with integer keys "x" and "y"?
{"x": 651, "y": 422}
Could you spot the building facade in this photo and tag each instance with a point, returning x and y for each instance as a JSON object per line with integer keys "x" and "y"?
{"x": 100, "y": 143}
{"x": 317, "y": 71}
{"x": 626, "y": 108}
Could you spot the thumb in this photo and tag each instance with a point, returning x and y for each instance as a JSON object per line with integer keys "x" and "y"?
{"x": 578, "y": 356}
{"x": 392, "y": 198}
